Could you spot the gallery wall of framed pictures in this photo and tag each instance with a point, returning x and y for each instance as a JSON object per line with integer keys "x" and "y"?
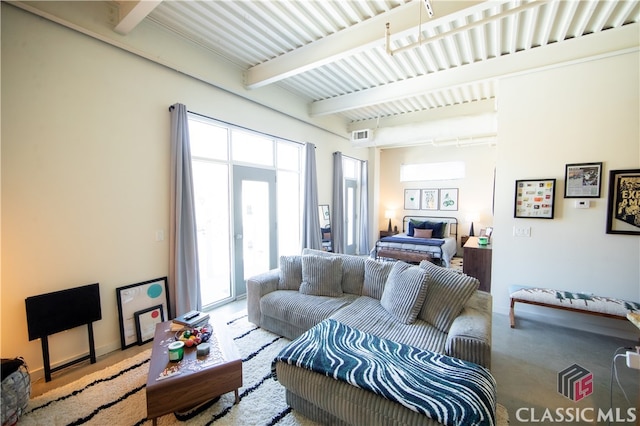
{"x": 535, "y": 198}
{"x": 431, "y": 199}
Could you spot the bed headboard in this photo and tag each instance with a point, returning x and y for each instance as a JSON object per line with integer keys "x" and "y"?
{"x": 452, "y": 221}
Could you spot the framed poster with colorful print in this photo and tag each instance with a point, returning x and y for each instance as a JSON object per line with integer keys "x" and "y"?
{"x": 623, "y": 211}
{"x": 535, "y": 198}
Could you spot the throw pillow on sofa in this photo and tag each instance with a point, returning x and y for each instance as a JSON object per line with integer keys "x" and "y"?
{"x": 321, "y": 276}
{"x": 352, "y": 269}
{"x": 290, "y": 273}
{"x": 447, "y": 293}
{"x": 375, "y": 277}
{"x": 405, "y": 291}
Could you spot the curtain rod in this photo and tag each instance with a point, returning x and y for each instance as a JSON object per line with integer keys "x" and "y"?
{"x": 348, "y": 156}
{"x": 240, "y": 127}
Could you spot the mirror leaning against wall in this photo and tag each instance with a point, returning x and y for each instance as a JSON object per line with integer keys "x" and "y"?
{"x": 325, "y": 226}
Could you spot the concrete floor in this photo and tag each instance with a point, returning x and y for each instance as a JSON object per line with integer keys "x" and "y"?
{"x": 526, "y": 362}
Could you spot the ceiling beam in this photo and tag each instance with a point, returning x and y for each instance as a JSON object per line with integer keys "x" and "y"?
{"x": 356, "y": 38}
{"x": 131, "y": 13}
{"x": 606, "y": 43}
{"x": 484, "y": 106}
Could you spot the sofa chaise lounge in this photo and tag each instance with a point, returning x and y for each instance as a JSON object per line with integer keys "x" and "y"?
{"x": 448, "y": 316}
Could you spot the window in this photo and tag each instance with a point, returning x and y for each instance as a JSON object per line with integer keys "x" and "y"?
{"x": 432, "y": 171}
{"x": 215, "y": 148}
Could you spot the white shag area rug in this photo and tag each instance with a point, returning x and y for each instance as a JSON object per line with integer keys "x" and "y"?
{"x": 115, "y": 396}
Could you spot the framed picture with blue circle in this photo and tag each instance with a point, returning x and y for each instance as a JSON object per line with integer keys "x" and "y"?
{"x": 140, "y": 298}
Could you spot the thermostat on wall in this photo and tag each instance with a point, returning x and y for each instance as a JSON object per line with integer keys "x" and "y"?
{"x": 582, "y": 204}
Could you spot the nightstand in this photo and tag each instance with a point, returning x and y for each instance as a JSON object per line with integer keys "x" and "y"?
{"x": 463, "y": 240}
{"x": 387, "y": 233}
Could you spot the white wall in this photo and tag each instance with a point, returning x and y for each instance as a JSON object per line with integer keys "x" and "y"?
{"x": 587, "y": 112}
{"x": 475, "y": 191}
{"x": 85, "y": 170}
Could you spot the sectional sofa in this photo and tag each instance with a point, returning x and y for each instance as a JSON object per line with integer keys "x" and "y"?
{"x": 427, "y": 306}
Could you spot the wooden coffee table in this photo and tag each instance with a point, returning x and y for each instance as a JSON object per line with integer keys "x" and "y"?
{"x": 200, "y": 379}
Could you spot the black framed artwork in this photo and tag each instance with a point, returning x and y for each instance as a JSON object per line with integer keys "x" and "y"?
{"x": 582, "y": 180}
{"x": 623, "y": 210}
{"x": 535, "y": 198}
{"x": 146, "y": 321}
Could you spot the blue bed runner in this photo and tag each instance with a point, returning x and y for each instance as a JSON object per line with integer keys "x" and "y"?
{"x": 446, "y": 389}
{"x": 437, "y": 242}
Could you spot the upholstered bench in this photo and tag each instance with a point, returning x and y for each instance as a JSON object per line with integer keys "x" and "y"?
{"x": 570, "y": 301}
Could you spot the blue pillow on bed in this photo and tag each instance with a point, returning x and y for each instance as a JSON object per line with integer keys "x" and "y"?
{"x": 437, "y": 227}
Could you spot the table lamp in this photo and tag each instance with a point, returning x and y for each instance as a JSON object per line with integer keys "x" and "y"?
{"x": 389, "y": 214}
{"x": 471, "y": 217}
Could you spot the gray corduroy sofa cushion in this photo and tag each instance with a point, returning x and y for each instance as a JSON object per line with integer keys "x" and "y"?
{"x": 375, "y": 277}
{"x": 405, "y": 291}
{"x": 352, "y": 269}
{"x": 302, "y": 310}
{"x": 368, "y": 315}
{"x": 290, "y": 273}
{"x": 321, "y": 276}
{"x": 447, "y": 293}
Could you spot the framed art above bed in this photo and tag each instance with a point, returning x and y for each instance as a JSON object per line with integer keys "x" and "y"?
{"x": 429, "y": 199}
{"x": 411, "y": 199}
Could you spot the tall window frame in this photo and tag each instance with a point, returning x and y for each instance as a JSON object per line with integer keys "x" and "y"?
{"x": 223, "y": 153}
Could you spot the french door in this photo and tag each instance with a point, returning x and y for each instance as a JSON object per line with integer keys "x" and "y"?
{"x": 254, "y": 223}
{"x": 350, "y": 216}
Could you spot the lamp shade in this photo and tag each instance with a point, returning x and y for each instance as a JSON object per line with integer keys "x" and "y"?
{"x": 389, "y": 214}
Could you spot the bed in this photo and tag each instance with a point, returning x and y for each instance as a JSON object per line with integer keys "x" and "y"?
{"x": 414, "y": 244}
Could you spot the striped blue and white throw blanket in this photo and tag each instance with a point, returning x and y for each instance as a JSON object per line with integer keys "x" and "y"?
{"x": 446, "y": 389}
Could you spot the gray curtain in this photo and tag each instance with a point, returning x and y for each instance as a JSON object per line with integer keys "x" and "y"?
{"x": 337, "y": 211}
{"x": 363, "y": 246}
{"x": 311, "y": 234}
{"x": 184, "y": 275}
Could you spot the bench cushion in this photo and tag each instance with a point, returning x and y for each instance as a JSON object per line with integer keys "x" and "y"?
{"x": 574, "y": 300}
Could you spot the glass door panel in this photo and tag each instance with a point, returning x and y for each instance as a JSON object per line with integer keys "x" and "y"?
{"x": 350, "y": 216}
{"x": 211, "y": 183}
{"x": 255, "y": 227}
{"x": 254, "y": 223}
